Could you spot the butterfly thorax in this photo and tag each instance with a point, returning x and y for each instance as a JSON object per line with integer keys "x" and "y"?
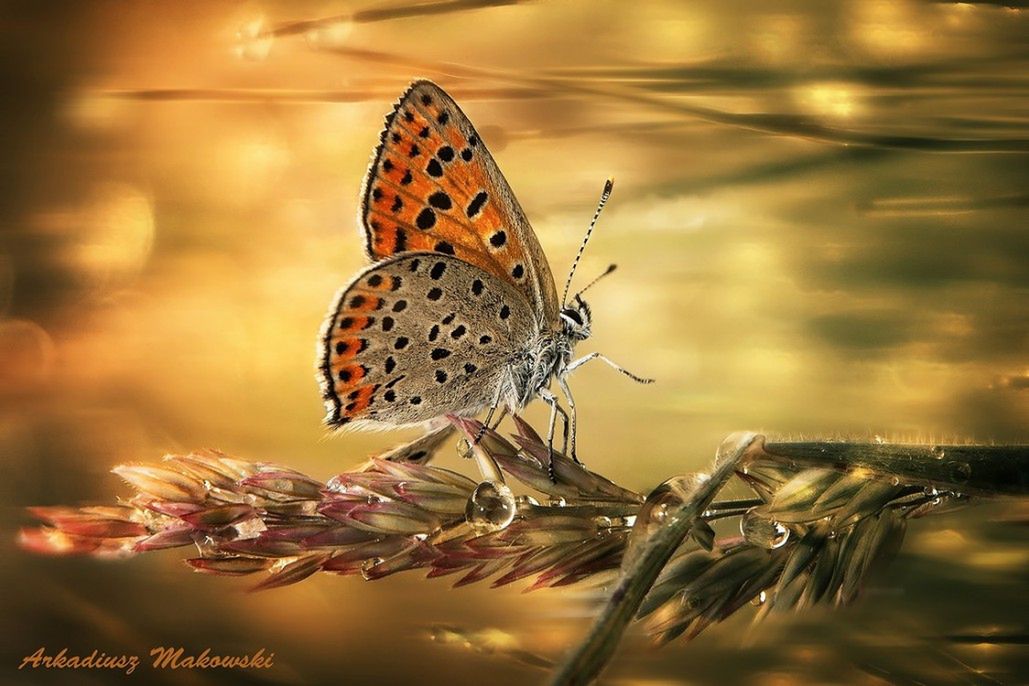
{"x": 544, "y": 358}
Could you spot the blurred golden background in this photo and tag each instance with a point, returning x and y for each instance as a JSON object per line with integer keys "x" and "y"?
{"x": 820, "y": 219}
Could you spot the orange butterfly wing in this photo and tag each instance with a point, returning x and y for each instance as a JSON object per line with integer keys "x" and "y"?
{"x": 433, "y": 185}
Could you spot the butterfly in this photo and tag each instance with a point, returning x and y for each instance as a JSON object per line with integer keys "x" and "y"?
{"x": 458, "y": 312}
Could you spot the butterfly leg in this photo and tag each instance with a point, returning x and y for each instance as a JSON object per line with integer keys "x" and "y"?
{"x": 503, "y": 414}
{"x": 597, "y": 356}
{"x": 489, "y": 418}
{"x": 569, "y": 430}
{"x": 555, "y": 409}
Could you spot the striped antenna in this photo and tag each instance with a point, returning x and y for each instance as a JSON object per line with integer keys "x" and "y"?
{"x": 610, "y": 268}
{"x": 608, "y": 185}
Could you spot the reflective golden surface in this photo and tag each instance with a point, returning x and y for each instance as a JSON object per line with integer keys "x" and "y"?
{"x": 819, "y": 217}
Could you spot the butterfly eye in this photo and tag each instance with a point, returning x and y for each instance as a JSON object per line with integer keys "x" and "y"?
{"x": 571, "y": 316}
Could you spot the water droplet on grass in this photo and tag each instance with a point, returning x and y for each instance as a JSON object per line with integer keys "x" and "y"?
{"x": 490, "y": 508}
{"x": 762, "y": 531}
{"x": 368, "y": 565}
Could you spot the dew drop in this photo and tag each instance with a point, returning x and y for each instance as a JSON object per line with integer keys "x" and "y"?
{"x": 464, "y": 448}
{"x": 763, "y": 532}
{"x": 368, "y": 565}
{"x": 759, "y": 599}
{"x": 879, "y": 440}
{"x": 557, "y": 502}
{"x": 525, "y": 503}
{"x": 336, "y": 485}
{"x": 373, "y": 499}
{"x": 659, "y": 513}
{"x": 938, "y": 452}
{"x": 960, "y": 471}
{"x": 604, "y": 522}
{"x": 490, "y": 508}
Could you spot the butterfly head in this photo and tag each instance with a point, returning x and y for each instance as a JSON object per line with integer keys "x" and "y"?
{"x": 576, "y": 319}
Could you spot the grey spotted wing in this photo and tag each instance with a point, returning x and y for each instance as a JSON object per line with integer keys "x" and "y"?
{"x": 417, "y": 336}
{"x": 433, "y": 185}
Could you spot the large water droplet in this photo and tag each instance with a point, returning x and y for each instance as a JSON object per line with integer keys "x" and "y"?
{"x": 760, "y": 530}
{"x": 490, "y": 508}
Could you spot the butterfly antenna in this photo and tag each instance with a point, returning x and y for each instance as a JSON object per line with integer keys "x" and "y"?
{"x": 608, "y": 185}
{"x": 588, "y": 286}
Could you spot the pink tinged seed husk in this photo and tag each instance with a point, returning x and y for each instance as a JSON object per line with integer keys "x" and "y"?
{"x": 162, "y": 483}
{"x": 293, "y": 572}
{"x": 229, "y": 566}
{"x": 172, "y": 537}
{"x": 218, "y": 517}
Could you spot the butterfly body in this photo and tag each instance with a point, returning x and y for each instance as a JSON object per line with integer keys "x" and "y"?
{"x": 458, "y": 312}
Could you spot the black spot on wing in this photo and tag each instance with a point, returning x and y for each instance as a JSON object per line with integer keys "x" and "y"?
{"x": 426, "y": 219}
{"x": 475, "y": 206}
{"x": 440, "y": 200}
